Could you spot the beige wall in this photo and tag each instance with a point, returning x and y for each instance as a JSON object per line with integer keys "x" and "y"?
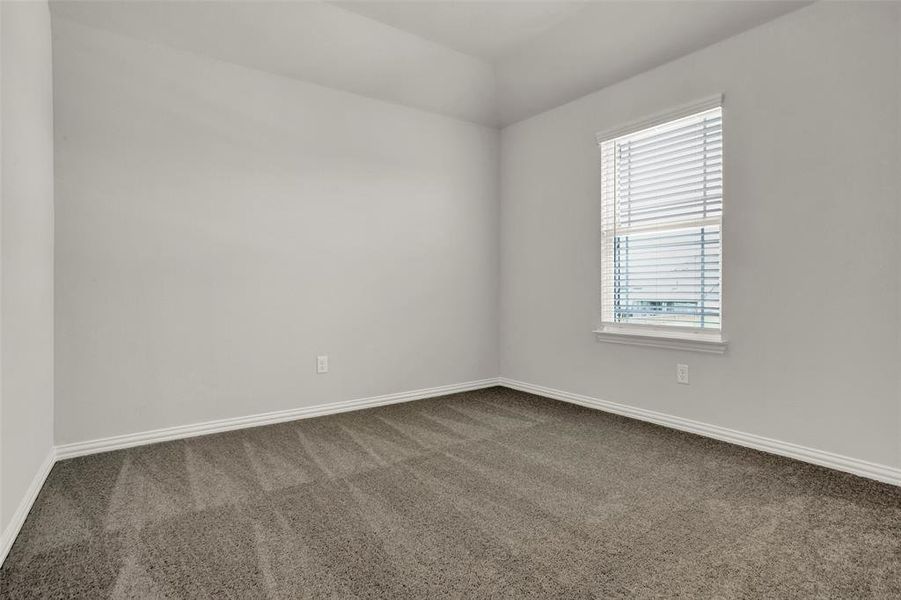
{"x": 219, "y": 227}
{"x": 26, "y": 247}
{"x": 811, "y": 265}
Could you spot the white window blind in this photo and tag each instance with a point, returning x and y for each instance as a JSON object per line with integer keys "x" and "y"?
{"x": 662, "y": 206}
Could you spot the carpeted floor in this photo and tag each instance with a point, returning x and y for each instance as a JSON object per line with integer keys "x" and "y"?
{"x": 489, "y": 494}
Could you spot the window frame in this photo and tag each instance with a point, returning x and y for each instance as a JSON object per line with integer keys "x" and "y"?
{"x": 663, "y": 336}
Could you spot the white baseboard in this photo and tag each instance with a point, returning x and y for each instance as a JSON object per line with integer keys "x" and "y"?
{"x": 838, "y": 462}
{"x": 12, "y": 530}
{"x": 186, "y": 431}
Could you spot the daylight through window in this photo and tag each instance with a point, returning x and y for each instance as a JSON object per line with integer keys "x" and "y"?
{"x": 662, "y": 206}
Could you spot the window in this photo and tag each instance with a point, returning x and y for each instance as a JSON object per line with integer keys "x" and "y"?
{"x": 661, "y": 230}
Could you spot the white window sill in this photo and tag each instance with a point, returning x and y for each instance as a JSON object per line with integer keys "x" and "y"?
{"x": 711, "y": 342}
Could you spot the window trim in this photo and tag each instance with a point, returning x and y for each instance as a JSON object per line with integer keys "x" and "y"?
{"x": 676, "y": 338}
{"x": 661, "y": 336}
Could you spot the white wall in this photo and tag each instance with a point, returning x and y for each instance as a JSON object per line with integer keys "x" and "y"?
{"x": 898, "y": 140}
{"x": 218, "y": 227}
{"x": 811, "y": 237}
{"x": 26, "y": 268}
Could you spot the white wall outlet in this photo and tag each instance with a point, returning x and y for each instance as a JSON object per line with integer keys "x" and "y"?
{"x": 682, "y": 374}
{"x": 322, "y": 364}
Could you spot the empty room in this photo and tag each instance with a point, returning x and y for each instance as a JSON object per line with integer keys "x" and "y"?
{"x": 450, "y": 299}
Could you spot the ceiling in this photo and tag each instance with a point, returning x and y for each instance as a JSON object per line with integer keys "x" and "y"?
{"x": 487, "y": 30}
{"x": 608, "y": 42}
{"x": 489, "y": 62}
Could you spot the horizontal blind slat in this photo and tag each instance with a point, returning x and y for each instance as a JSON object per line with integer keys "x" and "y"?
{"x": 697, "y": 165}
{"x": 697, "y": 174}
{"x": 637, "y": 167}
{"x": 643, "y": 174}
{"x": 698, "y": 139}
{"x": 639, "y": 141}
{"x": 674, "y": 204}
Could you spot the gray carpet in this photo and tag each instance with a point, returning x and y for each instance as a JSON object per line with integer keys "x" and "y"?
{"x": 489, "y": 494}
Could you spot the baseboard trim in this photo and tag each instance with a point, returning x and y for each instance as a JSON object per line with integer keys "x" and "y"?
{"x": 15, "y": 525}
{"x": 862, "y": 468}
{"x": 187, "y": 431}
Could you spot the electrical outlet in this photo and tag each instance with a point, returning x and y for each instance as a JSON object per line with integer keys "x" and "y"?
{"x": 682, "y": 374}
{"x": 322, "y": 364}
